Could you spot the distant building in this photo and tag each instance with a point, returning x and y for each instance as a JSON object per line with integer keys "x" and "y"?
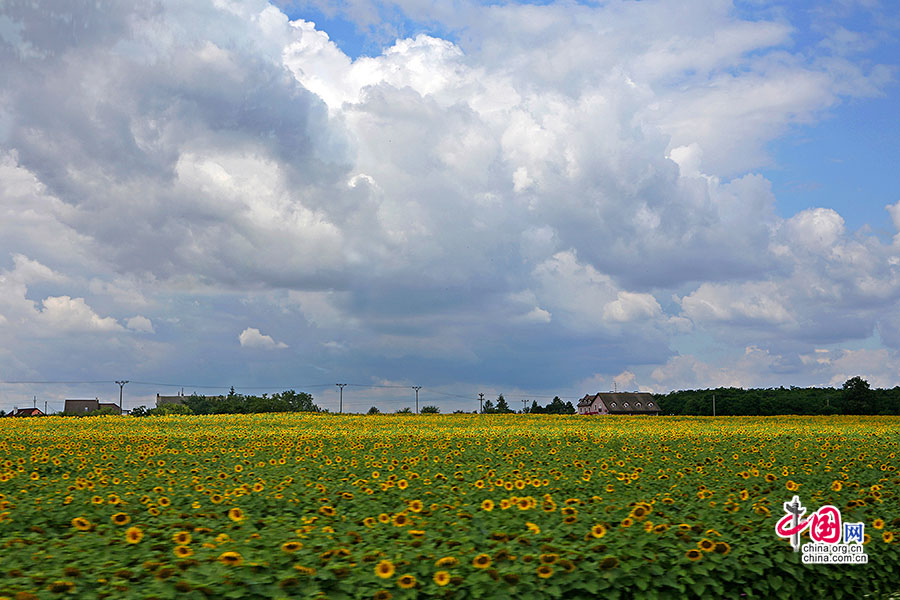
{"x": 26, "y": 412}
{"x": 76, "y": 406}
{"x": 87, "y": 406}
{"x": 160, "y": 400}
{"x": 618, "y": 403}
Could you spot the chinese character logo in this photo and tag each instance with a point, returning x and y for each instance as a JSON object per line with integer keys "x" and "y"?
{"x": 824, "y": 525}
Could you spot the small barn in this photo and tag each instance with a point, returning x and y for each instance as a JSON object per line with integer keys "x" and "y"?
{"x": 618, "y": 403}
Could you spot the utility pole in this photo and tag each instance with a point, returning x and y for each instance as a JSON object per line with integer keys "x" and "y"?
{"x": 121, "y": 387}
{"x": 341, "y": 406}
{"x": 417, "y": 388}
{"x": 45, "y": 407}
{"x": 34, "y": 402}
{"x": 714, "y": 405}
{"x": 524, "y": 402}
{"x": 480, "y": 403}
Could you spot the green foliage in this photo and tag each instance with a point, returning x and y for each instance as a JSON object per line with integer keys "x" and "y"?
{"x": 855, "y": 397}
{"x": 556, "y": 407}
{"x": 430, "y": 410}
{"x": 502, "y": 406}
{"x": 405, "y": 411}
{"x": 374, "y": 411}
{"x": 139, "y": 411}
{"x": 858, "y": 397}
{"x": 234, "y": 403}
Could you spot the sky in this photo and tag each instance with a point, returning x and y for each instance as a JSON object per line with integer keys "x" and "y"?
{"x": 534, "y": 199}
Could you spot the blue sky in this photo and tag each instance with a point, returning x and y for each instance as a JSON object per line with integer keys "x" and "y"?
{"x": 534, "y": 199}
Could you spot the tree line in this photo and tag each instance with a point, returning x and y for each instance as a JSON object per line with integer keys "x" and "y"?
{"x": 234, "y": 403}
{"x": 854, "y": 397}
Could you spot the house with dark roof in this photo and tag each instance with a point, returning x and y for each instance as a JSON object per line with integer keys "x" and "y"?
{"x": 618, "y": 403}
{"x": 160, "y": 400}
{"x": 26, "y": 412}
{"x": 77, "y": 406}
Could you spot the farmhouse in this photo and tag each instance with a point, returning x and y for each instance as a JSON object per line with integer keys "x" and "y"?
{"x": 618, "y": 403}
{"x": 160, "y": 400}
{"x": 26, "y": 412}
{"x": 77, "y": 406}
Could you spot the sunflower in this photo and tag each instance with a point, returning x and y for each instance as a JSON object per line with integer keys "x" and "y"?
{"x": 81, "y": 524}
{"x": 96, "y": 500}
{"x": 792, "y": 485}
{"x": 385, "y": 569}
{"x": 183, "y": 551}
{"x": 487, "y": 505}
{"x": 58, "y": 587}
{"x": 544, "y": 571}
{"x": 133, "y": 535}
{"x": 532, "y": 527}
{"x": 236, "y": 514}
{"x": 442, "y": 578}
{"x": 888, "y": 537}
{"x": 707, "y": 545}
{"x": 327, "y": 510}
{"x": 120, "y": 518}
{"x": 382, "y": 595}
{"x": 447, "y": 561}
{"x": 416, "y": 506}
{"x": 305, "y": 570}
{"x": 231, "y": 558}
{"x": 694, "y": 554}
{"x": 548, "y": 559}
{"x": 400, "y": 520}
{"x": 598, "y": 531}
{"x": 836, "y": 485}
{"x": 384, "y": 518}
{"x": 182, "y": 538}
{"x": 407, "y": 581}
{"x": 626, "y": 522}
{"x": 291, "y": 547}
{"x": 163, "y": 501}
{"x": 878, "y": 523}
{"x": 482, "y": 561}
{"x": 722, "y": 548}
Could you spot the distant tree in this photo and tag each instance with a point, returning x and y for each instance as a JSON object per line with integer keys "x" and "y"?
{"x": 536, "y": 408}
{"x": 405, "y": 411}
{"x": 298, "y": 401}
{"x": 139, "y": 411}
{"x": 2, "y": 413}
{"x": 488, "y": 408}
{"x": 857, "y": 397}
{"x": 430, "y": 410}
{"x": 570, "y": 410}
{"x": 556, "y": 407}
{"x": 374, "y": 411}
{"x": 502, "y": 406}
{"x": 460, "y": 412}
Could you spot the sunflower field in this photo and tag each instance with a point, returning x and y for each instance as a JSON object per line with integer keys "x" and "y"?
{"x": 440, "y": 506}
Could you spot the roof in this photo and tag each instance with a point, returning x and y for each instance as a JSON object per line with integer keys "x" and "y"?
{"x": 169, "y": 400}
{"x": 26, "y": 412}
{"x": 628, "y": 402}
